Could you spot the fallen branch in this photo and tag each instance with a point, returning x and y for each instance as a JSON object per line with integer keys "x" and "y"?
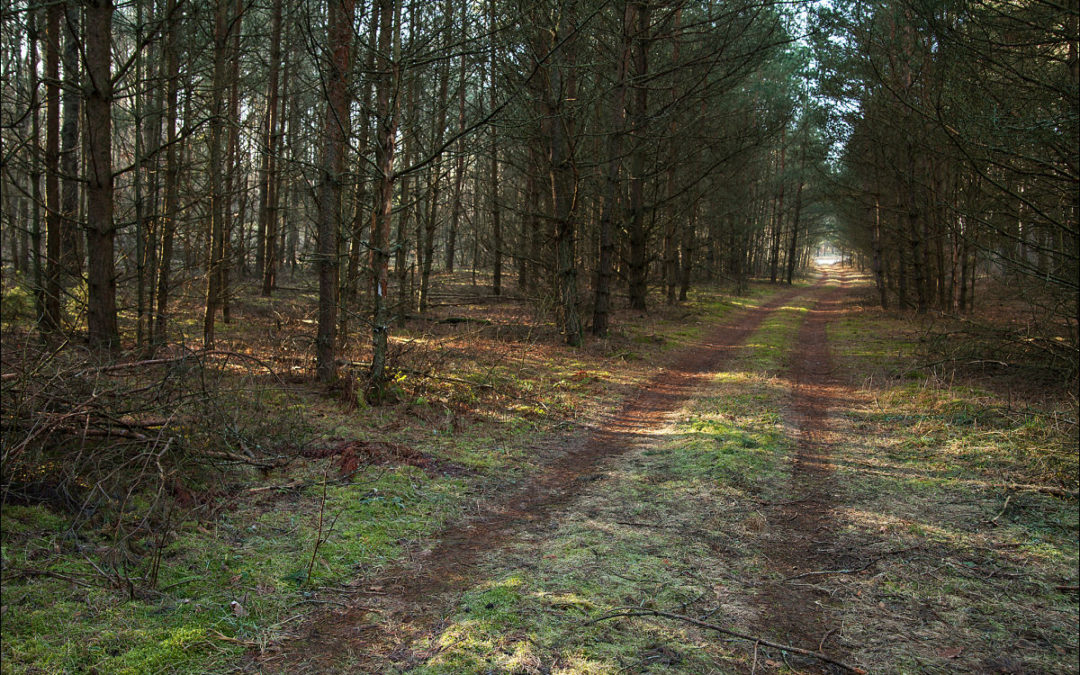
{"x": 820, "y": 573}
{"x": 26, "y": 573}
{"x": 241, "y": 459}
{"x": 1045, "y": 489}
{"x": 637, "y": 611}
{"x": 631, "y": 523}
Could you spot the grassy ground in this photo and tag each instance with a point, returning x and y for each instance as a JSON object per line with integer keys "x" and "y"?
{"x": 944, "y": 479}
{"x": 252, "y": 553}
{"x": 967, "y": 565}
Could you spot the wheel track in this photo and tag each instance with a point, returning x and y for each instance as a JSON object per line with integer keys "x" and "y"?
{"x": 419, "y": 593}
{"x": 798, "y": 613}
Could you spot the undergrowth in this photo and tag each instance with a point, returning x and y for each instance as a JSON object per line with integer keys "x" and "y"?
{"x": 964, "y": 502}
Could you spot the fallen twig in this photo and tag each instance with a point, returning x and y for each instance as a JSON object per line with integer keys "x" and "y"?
{"x": 27, "y": 572}
{"x": 993, "y": 520}
{"x": 631, "y": 523}
{"x": 637, "y": 611}
{"x": 819, "y": 573}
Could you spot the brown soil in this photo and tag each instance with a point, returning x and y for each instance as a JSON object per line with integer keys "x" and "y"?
{"x": 795, "y": 610}
{"x": 411, "y": 600}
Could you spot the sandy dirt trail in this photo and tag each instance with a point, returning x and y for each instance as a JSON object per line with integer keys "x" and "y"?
{"x": 415, "y": 597}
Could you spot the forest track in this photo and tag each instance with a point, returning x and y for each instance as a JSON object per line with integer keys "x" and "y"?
{"x": 413, "y": 598}
{"x": 797, "y": 544}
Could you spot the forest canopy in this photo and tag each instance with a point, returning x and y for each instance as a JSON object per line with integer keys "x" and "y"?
{"x": 160, "y": 151}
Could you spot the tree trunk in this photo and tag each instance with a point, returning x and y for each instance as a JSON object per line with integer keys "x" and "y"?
{"x": 172, "y": 177}
{"x": 216, "y": 230}
{"x": 361, "y": 209}
{"x": 496, "y": 222}
{"x": 101, "y": 276}
{"x": 778, "y": 220}
{"x": 53, "y": 220}
{"x": 440, "y": 132}
{"x": 270, "y": 136}
{"x": 339, "y": 40}
{"x": 71, "y": 234}
{"x": 792, "y": 257}
{"x": 561, "y": 128}
{"x": 459, "y": 171}
{"x": 877, "y": 265}
{"x": 639, "y": 261}
{"x": 605, "y": 271}
{"x": 689, "y": 237}
{"x": 387, "y": 119}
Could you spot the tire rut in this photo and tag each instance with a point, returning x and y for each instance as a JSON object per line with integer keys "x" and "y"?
{"x": 794, "y": 610}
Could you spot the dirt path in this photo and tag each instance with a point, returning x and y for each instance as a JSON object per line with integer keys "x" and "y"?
{"x": 797, "y": 545}
{"x": 414, "y": 598}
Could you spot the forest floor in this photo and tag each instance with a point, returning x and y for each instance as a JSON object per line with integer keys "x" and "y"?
{"x": 773, "y": 483}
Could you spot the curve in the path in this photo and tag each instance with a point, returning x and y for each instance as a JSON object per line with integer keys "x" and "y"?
{"x": 415, "y": 594}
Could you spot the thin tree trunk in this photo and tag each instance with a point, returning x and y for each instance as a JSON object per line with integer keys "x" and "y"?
{"x": 216, "y": 232}
{"x": 496, "y": 215}
{"x": 878, "y": 265}
{"x": 440, "y": 132}
{"x": 778, "y": 220}
{"x": 172, "y": 177}
{"x": 606, "y": 264}
{"x": 53, "y": 221}
{"x": 689, "y": 236}
{"x": 792, "y": 257}
{"x": 639, "y": 115}
{"x": 33, "y": 35}
{"x": 232, "y": 161}
{"x": 361, "y": 212}
{"x": 71, "y": 250}
{"x": 270, "y": 136}
{"x": 459, "y": 171}
{"x": 388, "y": 74}
{"x": 561, "y": 129}
{"x": 671, "y": 229}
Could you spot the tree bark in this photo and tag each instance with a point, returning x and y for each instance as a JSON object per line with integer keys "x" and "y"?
{"x": 265, "y": 262}
{"x": 496, "y": 215}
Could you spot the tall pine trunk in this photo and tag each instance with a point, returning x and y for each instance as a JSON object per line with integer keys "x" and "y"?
{"x": 339, "y": 40}
{"x": 101, "y": 276}
{"x": 386, "y": 109}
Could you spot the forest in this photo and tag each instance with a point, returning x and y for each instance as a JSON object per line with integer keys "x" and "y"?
{"x": 550, "y": 336}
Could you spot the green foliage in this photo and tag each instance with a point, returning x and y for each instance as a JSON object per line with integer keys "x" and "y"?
{"x": 17, "y": 303}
